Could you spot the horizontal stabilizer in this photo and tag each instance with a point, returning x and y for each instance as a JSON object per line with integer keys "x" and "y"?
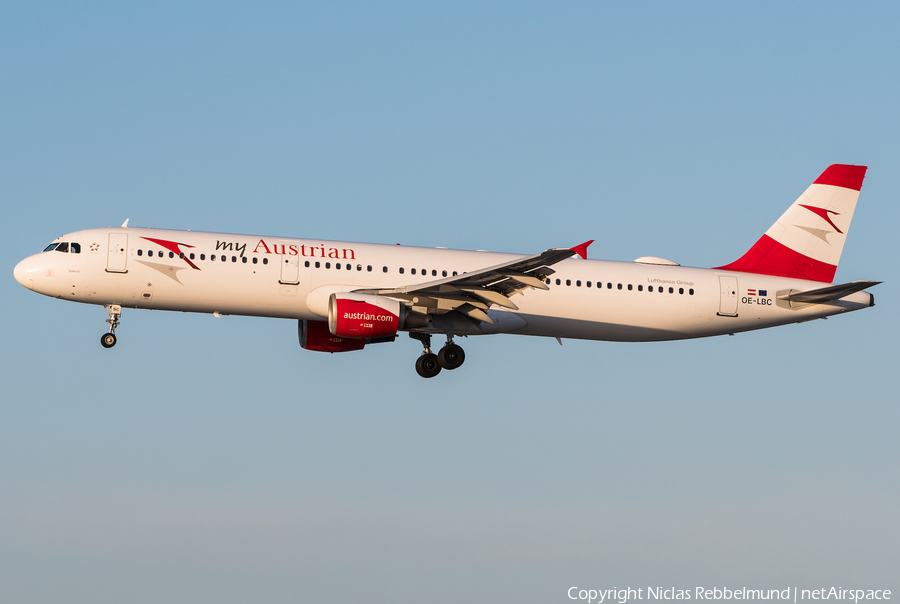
{"x": 834, "y": 292}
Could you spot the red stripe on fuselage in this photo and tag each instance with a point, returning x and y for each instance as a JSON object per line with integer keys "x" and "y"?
{"x": 768, "y": 257}
{"x": 840, "y": 175}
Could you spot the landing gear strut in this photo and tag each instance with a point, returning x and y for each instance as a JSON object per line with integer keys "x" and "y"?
{"x": 108, "y": 340}
{"x": 427, "y": 364}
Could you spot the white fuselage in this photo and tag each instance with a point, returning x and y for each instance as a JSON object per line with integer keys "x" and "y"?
{"x": 293, "y": 279}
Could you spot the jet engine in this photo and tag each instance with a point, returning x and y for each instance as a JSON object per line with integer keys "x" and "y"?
{"x": 365, "y": 316}
{"x": 314, "y": 335}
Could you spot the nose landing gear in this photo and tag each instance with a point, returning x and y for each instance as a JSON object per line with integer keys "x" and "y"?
{"x": 428, "y": 365}
{"x": 108, "y": 340}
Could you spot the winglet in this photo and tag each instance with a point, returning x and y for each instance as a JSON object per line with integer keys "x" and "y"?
{"x": 581, "y": 250}
{"x": 125, "y": 224}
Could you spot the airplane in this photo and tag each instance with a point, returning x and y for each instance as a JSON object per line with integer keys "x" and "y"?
{"x": 346, "y": 295}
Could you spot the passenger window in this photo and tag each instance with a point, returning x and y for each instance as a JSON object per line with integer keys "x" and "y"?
{"x": 317, "y": 264}
{"x": 181, "y": 254}
{"x": 443, "y": 273}
{"x": 434, "y": 273}
{"x": 578, "y": 283}
{"x": 140, "y": 252}
{"x": 413, "y": 271}
{"x": 327, "y": 265}
{"x": 75, "y": 248}
{"x": 359, "y": 267}
{"x": 649, "y": 288}
{"x": 568, "y": 282}
{"x": 160, "y": 253}
{"x": 609, "y": 286}
{"x": 588, "y": 283}
{"x": 660, "y": 289}
{"x": 454, "y": 274}
{"x": 619, "y": 286}
{"x": 548, "y": 281}
{"x": 50, "y": 247}
{"x": 640, "y": 288}
{"x": 192, "y": 255}
{"x": 671, "y": 290}
{"x": 691, "y": 292}
{"x": 202, "y": 256}
{"x": 558, "y": 282}
{"x": 401, "y": 271}
{"x": 171, "y": 254}
{"x": 306, "y": 264}
{"x": 629, "y": 287}
{"x": 265, "y": 260}
{"x": 223, "y": 258}
{"x": 369, "y": 268}
{"x": 680, "y": 290}
{"x": 212, "y": 257}
{"x": 63, "y": 247}
{"x": 244, "y": 259}
{"x": 383, "y": 269}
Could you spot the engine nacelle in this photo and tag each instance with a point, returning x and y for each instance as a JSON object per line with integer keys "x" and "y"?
{"x": 364, "y": 316}
{"x": 314, "y": 335}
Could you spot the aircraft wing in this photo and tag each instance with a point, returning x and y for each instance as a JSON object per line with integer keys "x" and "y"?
{"x": 473, "y": 293}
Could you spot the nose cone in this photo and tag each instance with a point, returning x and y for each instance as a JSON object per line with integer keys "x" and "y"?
{"x": 24, "y": 273}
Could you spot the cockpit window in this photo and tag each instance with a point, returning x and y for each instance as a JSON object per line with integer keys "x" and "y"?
{"x": 75, "y": 248}
{"x": 63, "y": 247}
{"x": 50, "y": 247}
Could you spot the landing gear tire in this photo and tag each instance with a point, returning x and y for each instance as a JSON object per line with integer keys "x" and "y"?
{"x": 451, "y": 356}
{"x": 427, "y": 365}
{"x": 108, "y": 340}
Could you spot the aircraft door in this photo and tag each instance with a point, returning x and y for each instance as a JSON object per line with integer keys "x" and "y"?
{"x": 117, "y": 253}
{"x": 728, "y": 298}
{"x": 290, "y": 265}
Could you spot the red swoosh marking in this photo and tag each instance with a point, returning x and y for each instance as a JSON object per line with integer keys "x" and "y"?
{"x": 823, "y": 214}
{"x": 172, "y": 246}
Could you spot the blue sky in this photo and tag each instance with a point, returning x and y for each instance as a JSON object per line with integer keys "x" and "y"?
{"x": 213, "y": 460}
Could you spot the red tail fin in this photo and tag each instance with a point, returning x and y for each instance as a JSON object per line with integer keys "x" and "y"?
{"x": 807, "y": 240}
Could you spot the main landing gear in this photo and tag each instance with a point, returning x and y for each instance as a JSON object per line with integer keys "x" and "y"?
{"x": 108, "y": 340}
{"x": 429, "y": 364}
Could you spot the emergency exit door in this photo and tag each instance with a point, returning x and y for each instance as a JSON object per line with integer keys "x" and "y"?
{"x": 117, "y": 253}
{"x": 728, "y": 298}
{"x": 290, "y": 265}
